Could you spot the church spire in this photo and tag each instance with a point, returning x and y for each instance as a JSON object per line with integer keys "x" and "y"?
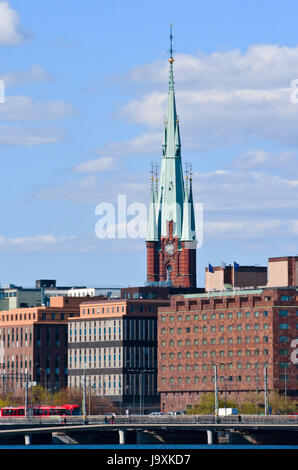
{"x": 171, "y": 224}
{"x": 152, "y": 233}
{"x": 171, "y": 140}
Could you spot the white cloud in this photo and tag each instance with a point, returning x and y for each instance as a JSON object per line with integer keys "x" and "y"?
{"x": 245, "y": 191}
{"x": 35, "y": 243}
{"x": 24, "y": 108}
{"x": 11, "y": 32}
{"x": 222, "y": 97}
{"x": 261, "y": 66}
{"x": 29, "y": 137}
{"x": 36, "y": 74}
{"x": 259, "y": 159}
{"x": 97, "y": 165}
{"x": 144, "y": 143}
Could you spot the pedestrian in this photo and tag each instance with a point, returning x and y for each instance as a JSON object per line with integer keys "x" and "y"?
{"x": 106, "y": 420}
{"x": 65, "y": 421}
{"x": 239, "y": 418}
{"x": 112, "y": 420}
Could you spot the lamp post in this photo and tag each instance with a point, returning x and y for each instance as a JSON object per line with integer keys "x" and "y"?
{"x": 84, "y": 392}
{"x": 286, "y": 399}
{"x": 266, "y": 389}
{"x": 141, "y": 390}
{"x": 26, "y": 393}
{"x": 215, "y": 390}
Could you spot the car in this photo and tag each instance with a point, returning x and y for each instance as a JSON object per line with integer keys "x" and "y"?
{"x": 156, "y": 413}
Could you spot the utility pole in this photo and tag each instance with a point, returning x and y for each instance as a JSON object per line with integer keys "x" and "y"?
{"x": 266, "y": 389}
{"x": 26, "y": 393}
{"x": 286, "y": 365}
{"x": 141, "y": 390}
{"x": 215, "y": 390}
{"x": 84, "y": 392}
{"x": 225, "y": 394}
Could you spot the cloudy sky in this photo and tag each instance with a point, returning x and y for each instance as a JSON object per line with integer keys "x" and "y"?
{"x": 85, "y": 96}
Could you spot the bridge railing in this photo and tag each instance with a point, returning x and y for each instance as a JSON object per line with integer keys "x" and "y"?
{"x": 153, "y": 419}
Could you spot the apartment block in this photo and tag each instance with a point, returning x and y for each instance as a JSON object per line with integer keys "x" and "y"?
{"x": 113, "y": 346}
{"x": 242, "y": 333}
{"x": 35, "y": 340}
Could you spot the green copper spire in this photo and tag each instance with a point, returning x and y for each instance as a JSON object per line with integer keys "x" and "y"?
{"x": 168, "y": 204}
{"x": 188, "y": 226}
{"x": 152, "y": 232}
{"x": 171, "y": 187}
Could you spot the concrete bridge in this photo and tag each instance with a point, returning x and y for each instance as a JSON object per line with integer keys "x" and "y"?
{"x": 74, "y": 430}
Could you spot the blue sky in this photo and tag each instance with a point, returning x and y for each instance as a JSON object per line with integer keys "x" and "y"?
{"x": 86, "y": 89}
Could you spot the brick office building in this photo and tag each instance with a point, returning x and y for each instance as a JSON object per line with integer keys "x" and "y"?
{"x": 240, "y": 332}
{"x": 35, "y": 339}
{"x": 114, "y": 344}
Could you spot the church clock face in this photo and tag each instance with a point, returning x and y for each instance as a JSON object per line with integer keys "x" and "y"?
{"x": 170, "y": 249}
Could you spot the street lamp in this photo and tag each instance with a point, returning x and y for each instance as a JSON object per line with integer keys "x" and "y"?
{"x": 84, "y": 391}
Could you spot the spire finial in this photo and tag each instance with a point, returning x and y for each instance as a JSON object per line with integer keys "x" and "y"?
{"x": 190, "y": 174}
{"x": 171, "y": 60}
{"x": 186, "y": 174}
{"x": 152, "y": 174}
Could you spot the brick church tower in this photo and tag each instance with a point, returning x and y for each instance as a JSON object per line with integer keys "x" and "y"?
{"x": 171, "y": 239}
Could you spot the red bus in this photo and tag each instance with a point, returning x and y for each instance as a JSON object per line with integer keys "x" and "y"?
{"x": 41, "y": 410}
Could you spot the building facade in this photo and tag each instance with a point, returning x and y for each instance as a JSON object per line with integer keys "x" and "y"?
{"x": 35, "y": 340}
{"x": 171, "y": 238}
{"x": 241, "y": 333}
{"x": 112, "y": 347}
{"x": 220, "y": 278}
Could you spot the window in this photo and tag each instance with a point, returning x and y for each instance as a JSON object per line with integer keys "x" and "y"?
{"x": 283, "y": 339}
{"x": 283, "y": 326}
{"x": 283, "y": 313}
{"x": 284, "y": 365}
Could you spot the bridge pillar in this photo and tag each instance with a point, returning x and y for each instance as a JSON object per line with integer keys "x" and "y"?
{"x": 121, "y": 436}
{"x": 209, "y": 437}
{"x": 27, "y": 439}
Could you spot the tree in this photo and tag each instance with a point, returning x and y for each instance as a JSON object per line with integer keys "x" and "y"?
{"x": 206, "y": 404}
